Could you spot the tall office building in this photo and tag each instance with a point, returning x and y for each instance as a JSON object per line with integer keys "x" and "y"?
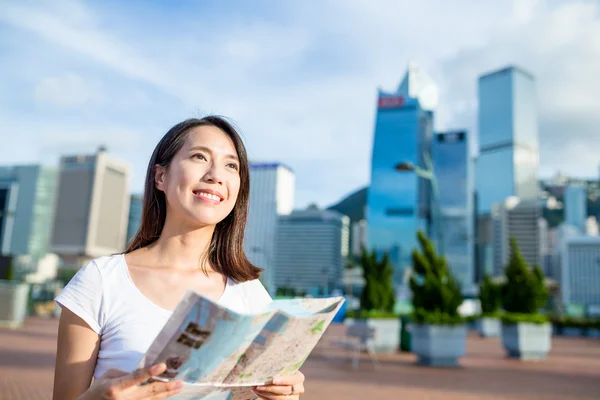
{"x": 519, "y": 220}
{"x": 508, "y": 138}
{"x": 92, "y": 208}
{"x": 271, "y": 195}
{"x": 27, "y": 198}
{"x": 358, "y": 237}
{"x": 311, "y": 248}
{"x": 580, "y": 272}
{"x": 575, "y": 200}
{"x": 135, "y": 216}
{"x": 454, "y": 174}
{"x": 398, "y": 203}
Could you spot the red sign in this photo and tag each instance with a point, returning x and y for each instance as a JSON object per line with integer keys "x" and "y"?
{"x": 391, "y": 102}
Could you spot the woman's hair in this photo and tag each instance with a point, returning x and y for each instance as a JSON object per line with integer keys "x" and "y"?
{"x": 226, "y": 252}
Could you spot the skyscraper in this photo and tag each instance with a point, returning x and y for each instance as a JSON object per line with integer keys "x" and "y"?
{"x": 518, "y": 220}
{"x": 508, "y": 138}
{"x": 27, "y": 198}
{"x": 312, "y": 246}
{"x": 575, "y": 205}
{"x": 92, "y": 208}
{"x": 134, "y": 216}
{"x": 454, "y": 173}
{"x": 398, "y": 202}
{"x": 271, "y": 195}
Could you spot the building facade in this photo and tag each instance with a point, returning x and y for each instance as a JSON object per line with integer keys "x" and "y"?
{"x": 575, "y": 200}
{"x": 398, "y": 203}
{"x": 272, "y": 187}
{"x": 520, "y": 220}
{"x": 27, "y": 200}
{"x": 508, "y": 138}
{"x": 92, "y": 208}
{"x": 454, "y": 174}
{"x": 311, "y": 249}
{"x": 580, "y": 272}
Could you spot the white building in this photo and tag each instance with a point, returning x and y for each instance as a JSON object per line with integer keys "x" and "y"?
{"x": 519, "y": 220}
{"x": 580, "y": 272}
{"x": 359, "y": 237}
{"x": 271, "y": 195}
{"x": 92, "y": 208}
{"x": 591, "y": 226}
{"x": 312, "y": 246}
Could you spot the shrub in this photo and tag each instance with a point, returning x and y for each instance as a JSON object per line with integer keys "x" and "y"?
{"x": 436, "y": 293}
{"x": 378, "y": 293}
{"x": 490, "y": 296}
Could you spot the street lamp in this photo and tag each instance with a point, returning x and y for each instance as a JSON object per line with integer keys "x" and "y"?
{"x": 428, "y": 174}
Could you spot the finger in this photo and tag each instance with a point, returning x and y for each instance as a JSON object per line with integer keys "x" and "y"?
{"x": 283, "y": 390}
{"x": 141, "y": 375}
{"x": 165, "y": 395}
{"x": 159, "y": 388}
{"x": 294, "y": 379}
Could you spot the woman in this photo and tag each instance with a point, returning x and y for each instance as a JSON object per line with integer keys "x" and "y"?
{"x": 191, "y": 237}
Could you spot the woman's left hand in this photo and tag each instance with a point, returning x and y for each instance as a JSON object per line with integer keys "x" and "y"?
{"x": 283, "y": 388}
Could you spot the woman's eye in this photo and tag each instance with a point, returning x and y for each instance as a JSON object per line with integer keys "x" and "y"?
{"x": 199, "y": 156}
{"x": 233, "y": 166}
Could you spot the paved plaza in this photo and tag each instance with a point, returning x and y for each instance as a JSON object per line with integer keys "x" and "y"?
{"x": 572, "y": 371}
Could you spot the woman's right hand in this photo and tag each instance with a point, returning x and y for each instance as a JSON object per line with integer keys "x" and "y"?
{"x": 119, "y": 385}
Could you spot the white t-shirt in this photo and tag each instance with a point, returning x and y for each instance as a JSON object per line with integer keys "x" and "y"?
{"x": 103, "y": 294}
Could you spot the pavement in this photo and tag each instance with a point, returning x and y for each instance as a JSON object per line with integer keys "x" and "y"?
{"x": 571, "y": 371}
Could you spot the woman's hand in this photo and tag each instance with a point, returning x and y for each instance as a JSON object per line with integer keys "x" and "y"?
{"x": 119, "y": 385}
{"x": 284, "y": 388}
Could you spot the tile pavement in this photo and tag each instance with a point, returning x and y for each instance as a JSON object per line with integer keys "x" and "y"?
{"x": 572, "y": 371}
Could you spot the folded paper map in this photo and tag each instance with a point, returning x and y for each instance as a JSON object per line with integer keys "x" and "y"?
{"x": 221, "y": 354}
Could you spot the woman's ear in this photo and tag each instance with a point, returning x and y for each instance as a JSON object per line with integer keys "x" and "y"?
{"x": 159, "y": 177}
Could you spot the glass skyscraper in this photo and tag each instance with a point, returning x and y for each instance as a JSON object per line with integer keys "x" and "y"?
{"x": 508, "y": 138}
{"x": 454, "y": 174}
{"x": 576, "y": 205}
{"x": 398, "y": 202}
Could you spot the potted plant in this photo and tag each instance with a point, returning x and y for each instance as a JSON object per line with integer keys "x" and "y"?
{"x": 526, "y": 334}
{"x": 490, "y": 299}
{"x": 438, "y": 330}
{"x": 15, "y": 296}
{"x": 377, "y": 302}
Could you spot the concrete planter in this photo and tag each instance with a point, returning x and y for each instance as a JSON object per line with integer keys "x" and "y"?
{"x": 489, "y": 327}
{"x": 387, "y": 332}
{"x": 527, "y": 341}
{"x": 439, "y": 345}
{"x": 14, "y": 298}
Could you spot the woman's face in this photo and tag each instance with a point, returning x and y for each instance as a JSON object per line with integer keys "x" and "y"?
{"x": 202, "y": 182}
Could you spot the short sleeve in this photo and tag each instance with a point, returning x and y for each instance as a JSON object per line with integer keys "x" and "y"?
{"x": 258, "y": 296}
{"x": 83, "y": 296}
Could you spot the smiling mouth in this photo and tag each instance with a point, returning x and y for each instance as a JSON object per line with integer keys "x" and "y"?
{"x": 206, "y": 195}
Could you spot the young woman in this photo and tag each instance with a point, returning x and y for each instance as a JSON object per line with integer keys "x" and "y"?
{"x": 191, "y": 237}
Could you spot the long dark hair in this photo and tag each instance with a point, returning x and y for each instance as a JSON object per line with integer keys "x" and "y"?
{"x": 226, "y": 251}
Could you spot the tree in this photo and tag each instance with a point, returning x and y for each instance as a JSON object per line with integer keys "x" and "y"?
{"x": 378, "y": 292}
{"x": 435, "y": 290}
{"x": 490, "y": 296}
{"x": 524, "y": 291}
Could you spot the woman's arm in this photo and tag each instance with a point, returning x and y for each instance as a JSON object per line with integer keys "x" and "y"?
{"x": 77, "y": 349}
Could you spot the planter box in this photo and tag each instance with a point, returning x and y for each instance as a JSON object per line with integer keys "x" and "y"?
{"x": 387, "y": 332}
{"x": 14, "y": 298}
{"x": 489, "y": 327}
{"x": 439, "y": 345}
{"x": 527, "y": 341}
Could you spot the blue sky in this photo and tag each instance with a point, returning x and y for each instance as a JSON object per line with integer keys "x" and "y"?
{"x": 298, "y": 78}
